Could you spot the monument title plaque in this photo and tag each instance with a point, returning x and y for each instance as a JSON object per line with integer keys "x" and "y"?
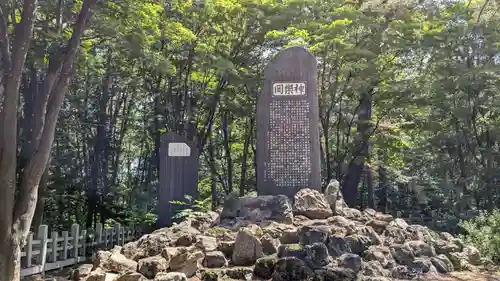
{"x": 178, "y": 175}
{"x": 288, "y": 148}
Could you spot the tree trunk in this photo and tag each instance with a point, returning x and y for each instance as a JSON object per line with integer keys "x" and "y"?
{"x": 244, "y": 160}
{"x": 227, "y": 151}
{"x": 213, "y": 171}
{"x": 40, "y": 204}
{"x": 18, "y": 199}
{"x": 356, "y": 166}
{"x": 326, "y": 152}
{"x": 382, "y": 189}
{"x": 10, "y": 260}
{"x": 369, "y": 187}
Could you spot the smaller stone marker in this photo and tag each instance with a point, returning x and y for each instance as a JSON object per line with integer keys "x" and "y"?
{"x": 178, "y": 175}
{"x": 288, "y": 147}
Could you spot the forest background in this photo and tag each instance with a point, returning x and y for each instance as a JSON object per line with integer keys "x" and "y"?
{"x": 409, "y": 103}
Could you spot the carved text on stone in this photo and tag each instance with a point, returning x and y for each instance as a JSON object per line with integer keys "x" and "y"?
{"x": 289, "y": 143}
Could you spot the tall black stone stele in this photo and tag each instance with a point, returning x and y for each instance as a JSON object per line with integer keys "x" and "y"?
{"x": 288, "y": 145}
{"x": 178, "y": 175}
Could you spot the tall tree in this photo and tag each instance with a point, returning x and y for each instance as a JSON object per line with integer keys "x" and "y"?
{"x": 19, "y": 187}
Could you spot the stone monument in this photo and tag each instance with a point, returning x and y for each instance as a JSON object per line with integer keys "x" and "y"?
{"x": 178, "y": 175}
{"x": 288, "y": 144}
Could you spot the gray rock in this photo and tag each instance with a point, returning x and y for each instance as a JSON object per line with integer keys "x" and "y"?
{"x": 269, "y": 244}
{"x": 399, "y": 223}
{"x": 113, "y": 262}
{"x": 334, "y": 196}
{"x": 291, "y": 269}
{"x": 378, "y": 225}
{"x": 445, "y": 247}
{"x": 394, "y": 235}
{"x": 186, "y": 260}
{"x": 358, "y": 243}
{"x": 256, "y": 209}
{"x": 312, "y": 204}
{"x": 402, "y": 253}
{"x": 96, "y": 275}
{"x": 381, "y": 254}
{"x": 239, "y": 273}
{"x": 206, "y": 243}
{"x": 335, "y": 273}
{"x": 402, "y": 272}
{"x": 80, "y": 272}
{"x": 473, "y": 255}
{"x": 227, "y": 247}
{"x": 264, "y": 267}
{"x": 292, "y": 250}
{"x": 185, "y": 240}
{"x": 421, "y": 249}
{"x": 374, "y": 268}
{"x": 171, "y": 276}
{"x": 247, "y": 248}
{"x": 310, "y": 234}
{"x": 369, "y": 232}
{"x": 337, "y": 245}
{"x": 442, "y": 264}
{"x": 421, "y": 265}
{"x": 214, "y": 259}
{"x": 351, "y": 261}
{"x": 317, "y": 255}
{"x": 151, "y": 266}
{"x": 131, "y": 276}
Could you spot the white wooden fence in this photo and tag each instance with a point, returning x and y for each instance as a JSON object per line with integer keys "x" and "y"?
{"x": 44, "y": 253}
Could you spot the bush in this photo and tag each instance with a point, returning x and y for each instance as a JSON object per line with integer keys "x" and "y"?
{"x": 483, "y": 233}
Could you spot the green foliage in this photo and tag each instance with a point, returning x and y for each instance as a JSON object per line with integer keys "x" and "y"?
{"x": 482, "y": 232}
{"x": 191, "y": 207}
{"x": 429, "y": 71}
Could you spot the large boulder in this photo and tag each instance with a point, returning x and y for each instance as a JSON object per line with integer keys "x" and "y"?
{"x": 247, "y": 248}
{"x": 257, "y": 209}
{"x": 337, "y": 245}
{"x": 206, "y": 243}
{"x": 214, "y": 259}
{"x": 291, "y": 269}
{"x": 317, "y": 255}
{"x": 151, "y": 266}
{"x": 312, "y": 204}
{"x": 351, "y": 261}
{"x": 80, "y": 272}
{"x": 152, "y": 244}
{"x": 402, "y": 253}
{"x": 185, "y": 260}
{"x": 442, "y": 263}
{"x": 264, "y": 267}
{"x": 334, "y": 197}
{"x": 113, "y": 262}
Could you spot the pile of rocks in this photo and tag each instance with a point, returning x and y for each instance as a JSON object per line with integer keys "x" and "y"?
{"x": 268, "y": 238}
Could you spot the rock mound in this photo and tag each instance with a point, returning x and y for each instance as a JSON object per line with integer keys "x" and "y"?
{"x": 261, "y": 238}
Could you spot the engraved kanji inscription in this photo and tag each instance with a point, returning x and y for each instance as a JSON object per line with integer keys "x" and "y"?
{"x": 289, "y": 143}
{"x": 289, "y": 89}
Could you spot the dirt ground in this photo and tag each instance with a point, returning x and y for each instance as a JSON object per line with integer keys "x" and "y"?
{"x": 463, "y": 276}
